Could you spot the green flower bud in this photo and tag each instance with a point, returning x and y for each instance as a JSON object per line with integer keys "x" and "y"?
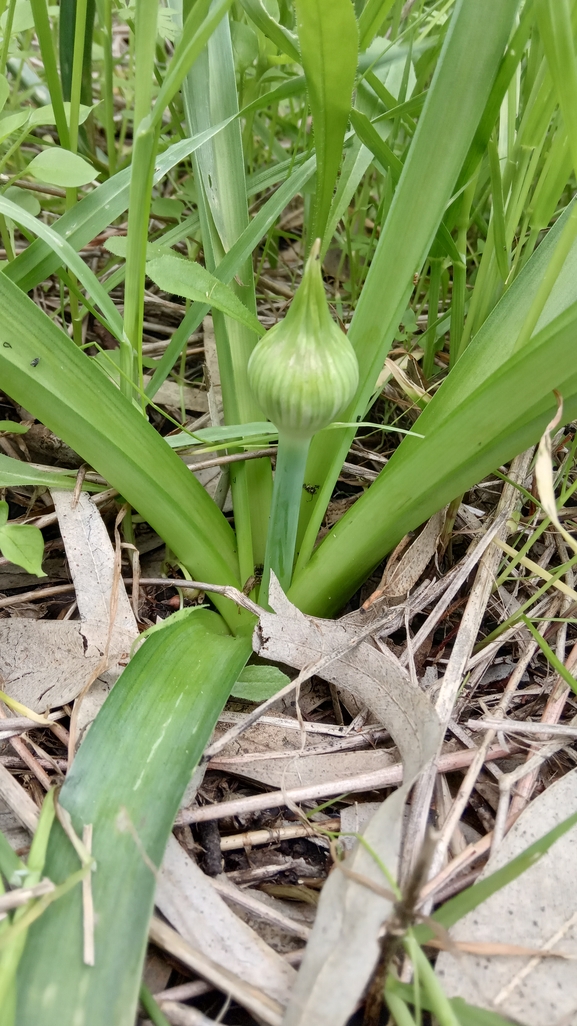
{"x": 304, "y": 371}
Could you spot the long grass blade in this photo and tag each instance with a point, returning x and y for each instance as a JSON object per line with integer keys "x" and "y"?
{"x": 328, "y": 40}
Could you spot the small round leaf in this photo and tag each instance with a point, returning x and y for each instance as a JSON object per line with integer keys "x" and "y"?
{"x": 61, "y": 167}
{"x": 23, "y": 545}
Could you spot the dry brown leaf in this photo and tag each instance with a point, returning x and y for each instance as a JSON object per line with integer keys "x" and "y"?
{"x": 537, "y": 909}
{"x": 402, "y": 573}
{"x": 45, "y": 664}
{"x": 343, "y": 948}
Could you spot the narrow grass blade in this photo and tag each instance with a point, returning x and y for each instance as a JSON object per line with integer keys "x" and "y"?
{"x": 280, "y": 36}
{"x": 473, "y": 896}
{"x": 44, "y": 34}
{"x": 371, "y": 19}
{"x": 67, "y": 255}
{"x": 210, "y": 93}
{"x": 397, "y": 993}
{"x": 126, "y": 780}
{"x": 328, "y": 41}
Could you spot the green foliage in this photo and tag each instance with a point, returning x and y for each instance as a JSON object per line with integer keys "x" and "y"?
{"x": 22, "y": 544}
{"x": 61, "y": 167}
{"x": 432, "y": 194}
{"x": 191, "y": 280}
{"x": 258, "y": 683}
{"x": 328, "y": 41}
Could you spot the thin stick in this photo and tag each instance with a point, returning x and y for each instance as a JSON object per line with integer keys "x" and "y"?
{"x": 544, "y": 730}
{"x": 26, "y": 755}
{"x": 388, "y": 776}
{"x": 18, "y": 800}
{"x": 33, "y": 596}
{"x": 252, "y": 838}
{"x": 467, "y": 785}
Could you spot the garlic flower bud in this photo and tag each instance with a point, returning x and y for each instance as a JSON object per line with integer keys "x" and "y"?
{"x": 304, "y": 371}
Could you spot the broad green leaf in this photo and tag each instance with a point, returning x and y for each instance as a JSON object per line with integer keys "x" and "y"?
{"x": 128, "y": 783}
{"x": 162, "y": 625}
{"x": 328, "y": 41}
{"x": 23, "y": 20}
{"x": 12, "y": 122}
{"x": 75, "y": 400}
{"x": 285, "y": 41}
{"x": 23, "y": 198}
{"x": 504, "y": 414}
{"x": 466, "y": 70}
{"x": 23, "y": 545}
{"x": 16, "y": 473}
{"x": 61, "y": 167}
{"x": 190, "y": 279}
{"x": 12, "y": 427}
{"x": 258, "y": 683}
{"x": 46, "y": 116}
{"x": 245, "y": 45}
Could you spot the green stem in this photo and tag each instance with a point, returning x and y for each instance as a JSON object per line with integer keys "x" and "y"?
{"x": 105, "y": 17}
{"x": 77, "y": 62}
{"x": 42, "y": 26}
{"x": 284, "y": 513}
{"x": 151, "y": 1008}
{"x": 440, "y": 1004}
{"x": 142, "y": 173}
{"x": 7, "y": 36}
{"x": 460, "y": 273}
{"x": 434, "y": 289}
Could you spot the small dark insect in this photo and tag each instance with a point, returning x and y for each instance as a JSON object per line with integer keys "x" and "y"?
{"x": 35, "y": 362}
{"x": 311, "y": 489}
{"x": 6, "y": 345}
